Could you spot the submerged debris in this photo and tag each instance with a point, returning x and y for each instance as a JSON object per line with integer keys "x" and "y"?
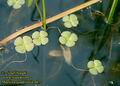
{"x": 66, "y": 52}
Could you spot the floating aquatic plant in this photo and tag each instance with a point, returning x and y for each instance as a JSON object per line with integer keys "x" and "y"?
{"x": 23, "y": 45}
{"x": 49, "y": 20}
{"x": 70, "y": 21}
{"x": 16, "y": 4}
{"x": 68, "y": 38}
{"x": 95, "y": 67}
{"x": 40, "y": 38}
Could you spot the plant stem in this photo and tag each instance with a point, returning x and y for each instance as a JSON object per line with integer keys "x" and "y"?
{"x": 38, "y": 9}
{"x": 112, "y": 11}
{"x": 44, "y": 14}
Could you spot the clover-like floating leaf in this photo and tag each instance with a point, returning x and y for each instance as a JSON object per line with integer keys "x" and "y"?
{"x": 90, "y": 64}
{"x": 73, "y": 37}
{"x": 27, "y": 39}
{"x": 40, "y": 38}
{"x": 73, "y": 17}
{"x": 23, "y": 45}
{"x": 66, "y": 34}
{"x": 74, "y": 20}
{"x": 68, "y": 24}
{"x": 43, "y": 34}
{"x": 66, "y": 18}
{"x": 93, "y": 71}
{"x": 67, "y": 38}
{"x": 62, "y": 40}
{"x": 70, "y": 43}
{"x": 36, "y": 35}
{"x": 97, "y": 63}
{"x": 95, "y": 67}
{"x": 11, "y": 2}
{"x": 18, "y": 41}
{"x": 16, "y": 4}
{"x": 70, "y": 21}
{"x": 100, "y": 69}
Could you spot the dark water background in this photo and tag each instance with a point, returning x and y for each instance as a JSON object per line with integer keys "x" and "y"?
{"x": 55, "y": 71}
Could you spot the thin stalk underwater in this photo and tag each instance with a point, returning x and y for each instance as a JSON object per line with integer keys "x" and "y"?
{"x": 112, "y": 11}
{"x": 44, "y": 14}
{"x": 107, "y": 31}
{"x": 38, "y": 9}
{"x": 44, "y": 27}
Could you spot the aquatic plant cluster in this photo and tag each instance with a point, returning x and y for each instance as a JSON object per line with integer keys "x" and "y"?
{"x": 27, "y": 43}
{"x": 67, "y": 38}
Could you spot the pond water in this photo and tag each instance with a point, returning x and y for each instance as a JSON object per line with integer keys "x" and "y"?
{"x": 54, "y": 71}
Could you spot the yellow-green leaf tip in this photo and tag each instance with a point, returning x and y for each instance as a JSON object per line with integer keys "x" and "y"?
{"x": 23, "y": 45}
{"x": 68, "y": 38}
{"x": 16, "y": 4}
{"x": 40, "y": 38}
{"x": 70, "y": 21}
{"x": 95, "y": 67}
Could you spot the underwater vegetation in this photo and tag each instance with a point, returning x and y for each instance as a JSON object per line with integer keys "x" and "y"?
{"x": 86, "y": 37}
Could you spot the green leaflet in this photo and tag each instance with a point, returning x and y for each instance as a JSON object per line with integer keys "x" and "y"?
{"x": 68, "y": 38}
{"x": 16, "y": 4}
{"x": 70, "y": 21}
{"x": 23, "y": 44}
{"x": 40, "y": 38}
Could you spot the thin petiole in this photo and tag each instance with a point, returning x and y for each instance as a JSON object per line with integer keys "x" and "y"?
{"x": 15, "y": 62}
{"x": 94, "y": 84}
{"x": 38, "y": 9}
{"x": 79, "y": 69}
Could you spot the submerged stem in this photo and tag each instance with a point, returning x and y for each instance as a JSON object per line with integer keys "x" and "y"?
{"x": 38, "y": 9}
{"x": 21, "y": 61}
{"x": 112, "y": 11}
{"x": 79, "y": 69}
{"x": 44, "y": 14}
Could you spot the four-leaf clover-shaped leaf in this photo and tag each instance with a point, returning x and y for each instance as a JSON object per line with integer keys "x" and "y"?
{"x": 16, "y": 4}
{"x": 23, "y": 45}
{"x": 95, "y": 67}
{"x": 40, "y": 38}
{"x": 70, "y": 21}
{"x": 68, "y": 38}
